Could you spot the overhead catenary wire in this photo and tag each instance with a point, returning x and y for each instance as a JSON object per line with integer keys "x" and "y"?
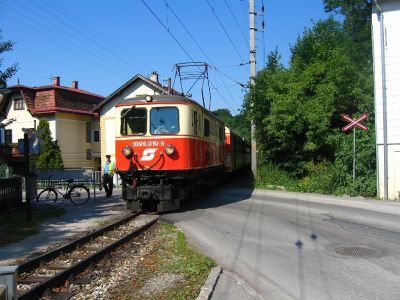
{"x": 55, "y": 38}
{"x": 112, "y": 46}
{"x": 191, "y": 36}
{"x": 169, "y": 32}
{"x": 205, "y": 54}
{"x": 237, "y": 23}
{"x": 225, "y": 31}
{"x": 69, "y": 32}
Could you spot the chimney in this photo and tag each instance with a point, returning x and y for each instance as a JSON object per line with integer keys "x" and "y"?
{"x": 169, "y": 85}
{"x": 56, "y": 81}
{"x": 154, "y": 76}
{"x": 74, "y": 84}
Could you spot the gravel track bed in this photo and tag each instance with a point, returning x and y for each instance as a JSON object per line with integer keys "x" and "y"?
{"x": 48, "y": 269}
{"x": 101, "y": 280}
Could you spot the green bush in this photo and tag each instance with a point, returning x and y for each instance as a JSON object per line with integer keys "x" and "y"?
{"x": 320, "y": 179}
{"x": 272, "y": 177}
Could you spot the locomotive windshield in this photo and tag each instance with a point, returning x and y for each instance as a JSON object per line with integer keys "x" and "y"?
{"x": 164, "y": 120}
{"x": 133, "y": 121}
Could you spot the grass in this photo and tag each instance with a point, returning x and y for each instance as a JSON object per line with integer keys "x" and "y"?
{"x": 14, "y": 226}
{"x": 175, "y": 256}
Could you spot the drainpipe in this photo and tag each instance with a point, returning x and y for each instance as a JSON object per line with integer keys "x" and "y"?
{"x": 384, "y": 103}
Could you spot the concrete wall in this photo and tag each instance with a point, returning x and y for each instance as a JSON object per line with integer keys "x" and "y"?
{"x": 391, "y": 16}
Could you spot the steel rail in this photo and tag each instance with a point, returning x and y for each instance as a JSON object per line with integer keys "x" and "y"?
{"x": 79, "y": 267}
{"x": 35, "y": 262}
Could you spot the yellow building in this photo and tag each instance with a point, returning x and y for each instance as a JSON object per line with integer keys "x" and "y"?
{"x": 69, "y": 111}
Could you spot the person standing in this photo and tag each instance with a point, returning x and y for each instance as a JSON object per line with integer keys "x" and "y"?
{"x": 108, "y": 176}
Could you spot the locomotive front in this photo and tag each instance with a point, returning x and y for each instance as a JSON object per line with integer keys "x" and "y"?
{"x": 153, "y": 148}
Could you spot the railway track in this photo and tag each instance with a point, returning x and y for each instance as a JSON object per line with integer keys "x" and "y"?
{"x": 52, "y": 269}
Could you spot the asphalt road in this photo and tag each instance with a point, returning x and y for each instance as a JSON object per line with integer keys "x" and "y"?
{"x": 295, "y": 246}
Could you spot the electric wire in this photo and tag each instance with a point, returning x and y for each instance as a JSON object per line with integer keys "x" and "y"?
{"x": 170, "y": 33}
{"x": 245, "y": 19}
{"x": 112, "y": 45}
{"x": 237, "y": 23}
{"x": 53, "y": 36}
{"x": 201, "y": 49}
{"x": 192, "y": 37}
{"x": 55, "y": 28}
{"x": 224, "y": 29}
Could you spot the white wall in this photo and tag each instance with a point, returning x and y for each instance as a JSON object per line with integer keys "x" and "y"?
{"x": 108, "y": 113}
{"x": 23, "y": 119}
{"x": 391, "y": 17}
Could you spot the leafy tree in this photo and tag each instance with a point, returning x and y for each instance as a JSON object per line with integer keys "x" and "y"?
{"x": 10, "y": 71}
{"x": 239, "y": 124}
{"x": 357, "y": 25}
{"x": 297, "y": 110}
{"x": 50, "y": 152}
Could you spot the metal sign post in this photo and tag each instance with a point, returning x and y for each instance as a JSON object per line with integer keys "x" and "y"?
{"x": 353, "y": 123}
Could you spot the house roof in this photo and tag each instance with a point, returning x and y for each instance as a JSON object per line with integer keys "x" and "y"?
{"x": 53, "y": 98}
{"x": 157, "y": 86}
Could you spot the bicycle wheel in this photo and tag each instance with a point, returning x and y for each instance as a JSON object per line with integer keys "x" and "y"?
{"x": 78, "y": 194}
{"x": 47, "y": 195}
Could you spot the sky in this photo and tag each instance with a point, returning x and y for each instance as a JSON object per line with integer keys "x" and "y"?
{"x": 102, "y": 44}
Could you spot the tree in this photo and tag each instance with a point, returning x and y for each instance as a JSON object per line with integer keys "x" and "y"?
{"x": 297, "y": 110}
{"x": 10, "y": 71}
{"x": 50, "y": 152}
{"x": 357, "y": 25}
{"x": 239, "y": 124}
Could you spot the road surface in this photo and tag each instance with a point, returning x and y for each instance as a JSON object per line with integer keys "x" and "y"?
{"x": 299, "y": 246}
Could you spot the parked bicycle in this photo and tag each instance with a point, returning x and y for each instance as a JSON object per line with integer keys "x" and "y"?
{"x": 78, "y": 194}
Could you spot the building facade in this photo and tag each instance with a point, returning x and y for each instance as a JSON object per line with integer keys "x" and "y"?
{"x": 69, "y": 111}
{"x": 386, "y": 50}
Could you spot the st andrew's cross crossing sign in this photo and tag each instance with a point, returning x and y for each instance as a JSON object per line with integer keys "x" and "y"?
{"x": 354, "y": 122}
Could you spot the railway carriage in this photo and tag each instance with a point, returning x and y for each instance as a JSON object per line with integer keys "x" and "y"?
{"x": 237, "y": 152}
{"x": 166, "y": 145}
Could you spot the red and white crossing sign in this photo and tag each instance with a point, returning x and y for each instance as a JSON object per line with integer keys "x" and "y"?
{"x": 354, "y": 122}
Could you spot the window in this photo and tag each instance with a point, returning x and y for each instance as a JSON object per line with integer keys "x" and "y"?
{"x": 221, "y": 134}
{"x": 206, "y": 127}
{"x": 133, "y": 121}
{"x": 195, "y": 122}
{"x": 8, "y": 137}
{"x": 96, "y": 136}
{"x": 88, "y": 132}
{"x": 18, "y": 104}
{"x": 88, "y": 154}
{"x": 164, "y": 120}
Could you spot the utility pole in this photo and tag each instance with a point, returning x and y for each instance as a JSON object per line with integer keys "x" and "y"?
{"x": 252, "y": 82}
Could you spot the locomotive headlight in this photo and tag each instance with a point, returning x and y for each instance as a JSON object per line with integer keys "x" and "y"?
{"x": 170, "y": 149}
{"x": 127, "y": 151}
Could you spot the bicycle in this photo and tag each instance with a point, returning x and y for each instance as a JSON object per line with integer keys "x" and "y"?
{"x": 78, "y": 194}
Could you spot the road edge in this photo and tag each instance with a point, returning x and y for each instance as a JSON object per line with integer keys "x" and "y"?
{"x": 209, "y": 286}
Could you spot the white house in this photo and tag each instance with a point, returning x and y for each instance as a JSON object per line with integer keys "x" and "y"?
{"x": 386, "y": 49}
{"x": 136, "y": 86}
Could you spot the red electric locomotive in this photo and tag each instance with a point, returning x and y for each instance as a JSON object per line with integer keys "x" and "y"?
{"x": 165, "y": 146}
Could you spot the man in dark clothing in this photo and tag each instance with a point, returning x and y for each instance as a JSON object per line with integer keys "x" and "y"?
{"x": 108, "y": 176}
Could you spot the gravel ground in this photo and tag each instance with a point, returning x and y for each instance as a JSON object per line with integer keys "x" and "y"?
{"x": 113, "y": 275}
{"x": 77, "y": 220}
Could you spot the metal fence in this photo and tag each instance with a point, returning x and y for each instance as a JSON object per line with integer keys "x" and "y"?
{"x": 10, "y": 192}
{"x": 88, "y": 177}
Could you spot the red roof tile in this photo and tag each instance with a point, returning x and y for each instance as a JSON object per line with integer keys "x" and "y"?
{"x": 49, "y": 98}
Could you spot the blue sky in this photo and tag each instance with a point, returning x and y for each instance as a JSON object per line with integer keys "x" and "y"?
{"x": 102, "y": 44}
